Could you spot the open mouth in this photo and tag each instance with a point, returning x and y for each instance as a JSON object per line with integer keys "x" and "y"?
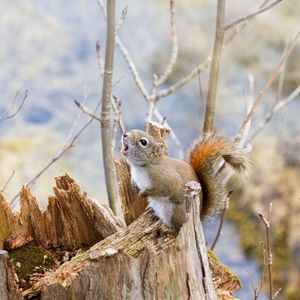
{"x": 125, "y": 149}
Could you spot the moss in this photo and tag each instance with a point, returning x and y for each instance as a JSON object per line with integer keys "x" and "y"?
{"x": 222, "y": 274}
{"x": 31, "y": 259}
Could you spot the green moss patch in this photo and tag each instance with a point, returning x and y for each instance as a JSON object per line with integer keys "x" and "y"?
{"x": 30, "y": 259}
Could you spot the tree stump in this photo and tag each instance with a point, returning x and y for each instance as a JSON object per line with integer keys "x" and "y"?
{"x": 142, "y": 261}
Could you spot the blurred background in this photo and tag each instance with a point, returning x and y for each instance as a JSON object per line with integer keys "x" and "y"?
{"x": 48, "y": 48}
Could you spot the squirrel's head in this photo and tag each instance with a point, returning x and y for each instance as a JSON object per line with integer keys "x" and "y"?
{"x": 141, "y": 148}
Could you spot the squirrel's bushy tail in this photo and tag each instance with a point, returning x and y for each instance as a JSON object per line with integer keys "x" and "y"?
{"x": 203, "y": 157}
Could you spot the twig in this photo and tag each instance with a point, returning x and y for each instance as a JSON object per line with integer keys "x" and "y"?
{"x": 8, "y": 114}
{"x": 219, "y": 232}
{"x": 121, "y": 18}
{"x": 214, "y": 69}
{"x": 116, "y": 105}
{"x": 185, "y": 80}
{"x": 8, "y": 181}
{"x": 237, "y": 29}
{"x": 251, "y": 16}
{"x": 275, "y": 74}
{"x": 274, "y": 110}
{"x": 132, "y": 68}
{"x": 87, "y": 111}
{"x": 276, "y": 293}
{"x": 267, "y": 224}
{"x": 257, "y": 289}
{"x": 251, "y": 98}
{"x": 174, "y": 52}
{"x": 281, "y": 79}
{"x": 108, "y": 161}
{"x": 201, "y": 96}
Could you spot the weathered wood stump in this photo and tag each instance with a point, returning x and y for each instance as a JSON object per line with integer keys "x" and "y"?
{"x": 141, "y": 261}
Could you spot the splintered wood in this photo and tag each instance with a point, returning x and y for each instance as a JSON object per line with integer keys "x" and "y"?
{"x": 72, "y": 220}
{"x": 142, "y": 261}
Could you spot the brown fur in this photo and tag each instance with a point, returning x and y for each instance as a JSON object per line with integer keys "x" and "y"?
{"x": 203, "y": 156}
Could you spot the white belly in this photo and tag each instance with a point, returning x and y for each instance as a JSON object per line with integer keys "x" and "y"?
{"x": 163, "y": 208}
{"x": 140, "y": 177}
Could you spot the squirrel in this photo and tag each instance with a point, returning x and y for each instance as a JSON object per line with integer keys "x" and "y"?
{"x": 162, "y": 178}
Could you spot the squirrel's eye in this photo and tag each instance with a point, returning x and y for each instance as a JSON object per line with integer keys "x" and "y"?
{"x": 143, "y": 142}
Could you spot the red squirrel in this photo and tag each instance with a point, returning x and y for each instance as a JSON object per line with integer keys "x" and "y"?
{"x": 162, "y": 178}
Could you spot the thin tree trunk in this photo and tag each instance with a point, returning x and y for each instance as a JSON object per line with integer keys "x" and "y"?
{"x": 214, "y": 69}
{"x": 108, "y": 160}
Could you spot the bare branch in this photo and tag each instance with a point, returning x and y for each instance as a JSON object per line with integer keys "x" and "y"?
{"x": 116, "y": 105}
{"x": 274, "y": 110}
{"x": 185, "y": 80}
{"x": 237, "y": 29}
{"x": 87, "y": 111}
{"x": 281, "y": 79}
{"x": 251, "y": 16}
{"x": 108, "y": 160}
{"x": 257, "y": 289}
{"x": 8, "y": 181}
{"x": 275, "y": 74}
{"x": 267, "y": 224}
{"x": 121, "y": 18}
{"x": 132, "y": 68}
{"x": 219, "y": 232}
{"x": 9, "y": 114}
{"x": 276, "y": 293}
{"x": 174, "y": 52}
{"x": 214, "y": 70}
